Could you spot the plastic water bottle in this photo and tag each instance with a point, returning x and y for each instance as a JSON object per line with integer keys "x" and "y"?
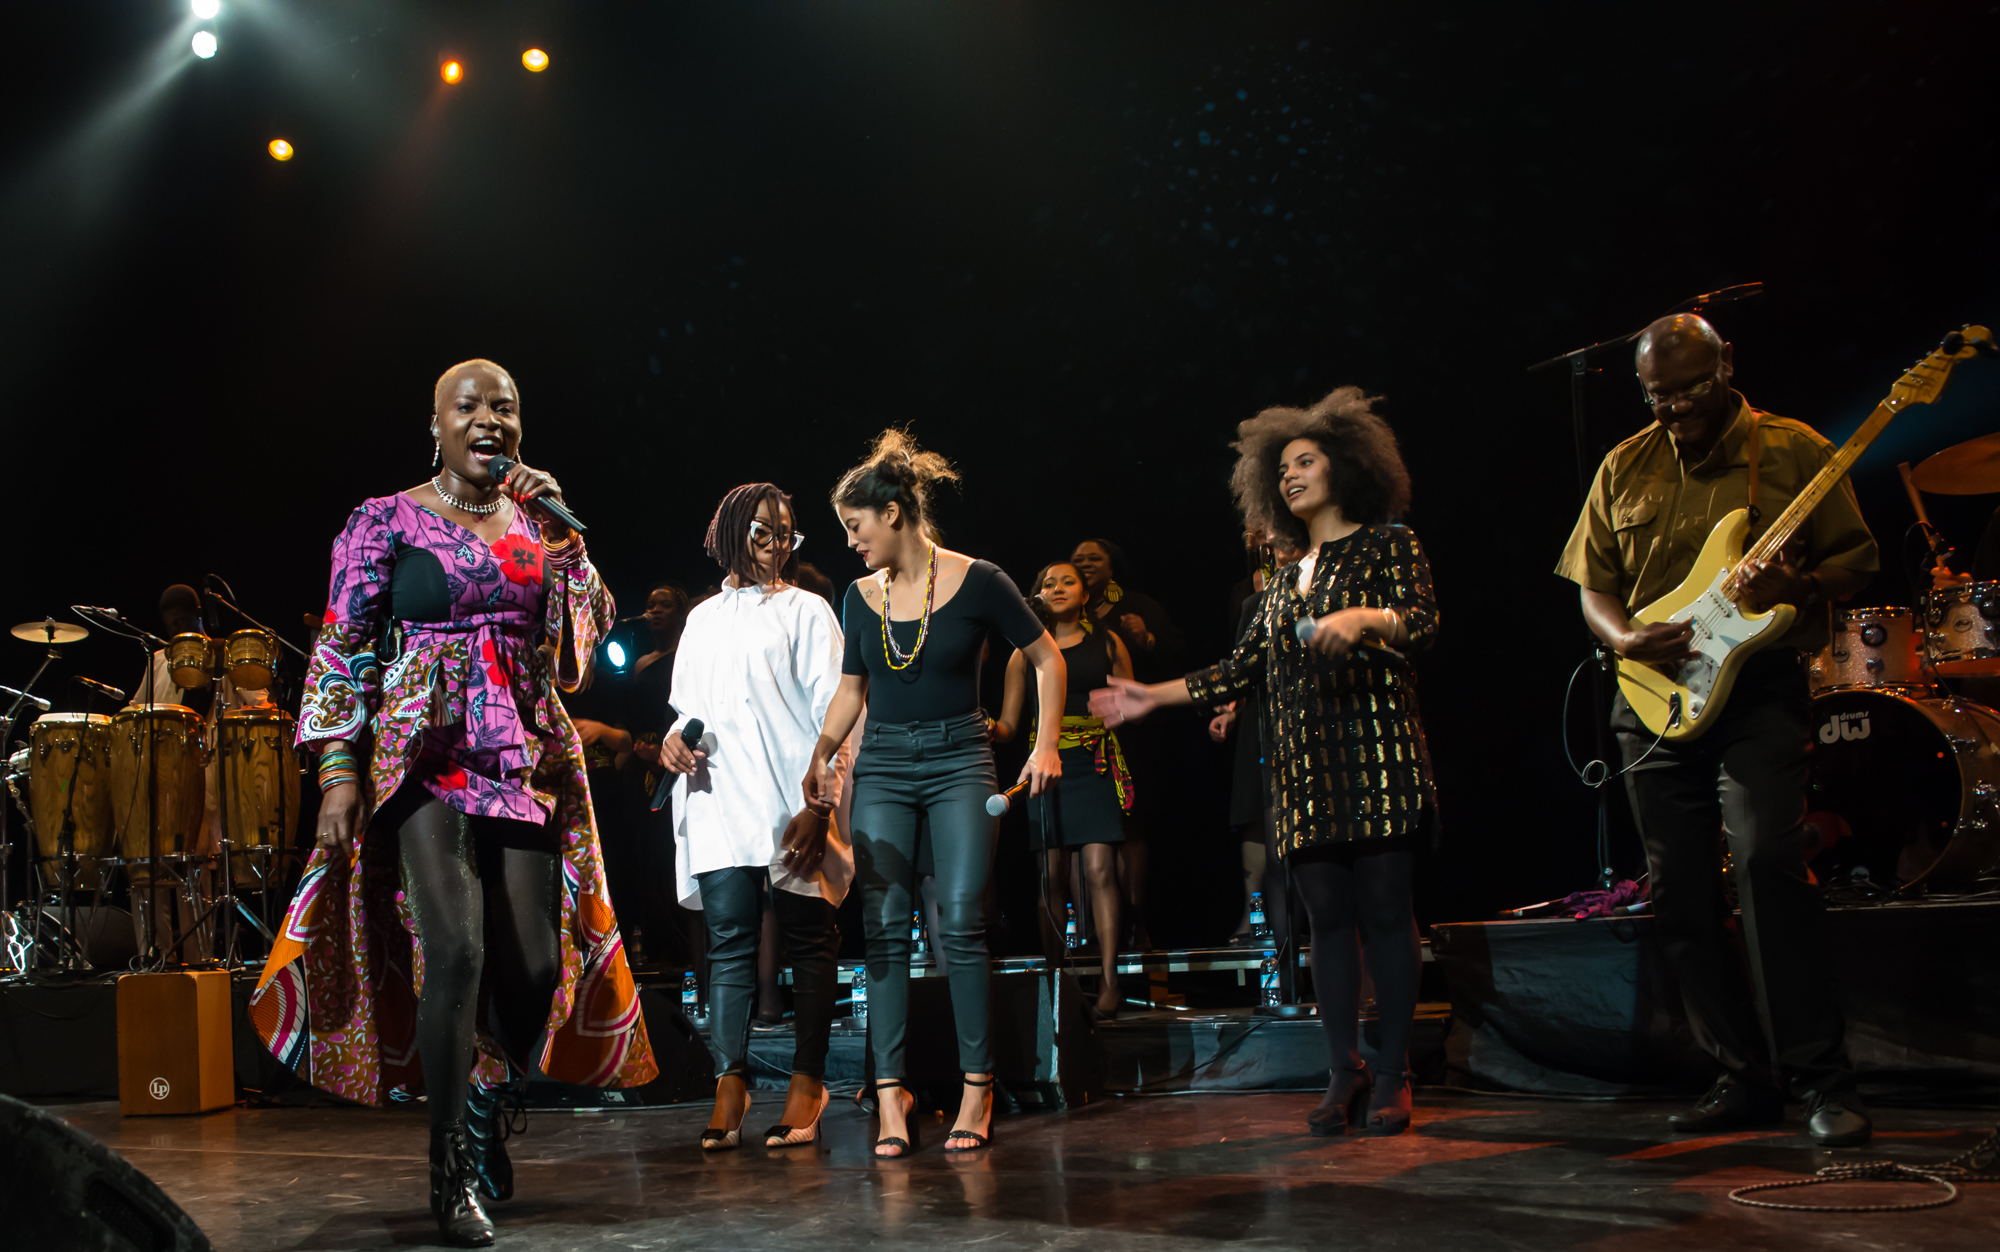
{"x": 1259, "y": 928}
{"x": 858, "y": 1006}
{"x": 1069, "y": 926}
{"x": 690, "y": 996}
{"x": 917, "y": 954}
{"x": 1267, "y": 978}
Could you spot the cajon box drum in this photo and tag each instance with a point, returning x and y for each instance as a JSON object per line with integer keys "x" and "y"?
{"x": 174, "y": 1048}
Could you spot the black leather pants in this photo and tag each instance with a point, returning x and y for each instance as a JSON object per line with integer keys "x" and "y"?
{"x": 731, "y": 902}
{"x": 941, "y": 772}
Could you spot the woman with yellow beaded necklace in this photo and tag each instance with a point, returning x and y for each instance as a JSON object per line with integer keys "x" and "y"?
{"x": 915, "y": 633}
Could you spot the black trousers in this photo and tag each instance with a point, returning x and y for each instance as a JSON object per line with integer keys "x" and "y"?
{"x": 907, "y": 776}
{"x": 731, "y": 901}
{"x": 1744, "y": 778}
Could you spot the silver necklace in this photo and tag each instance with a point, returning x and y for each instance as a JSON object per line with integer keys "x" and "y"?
{"x": 437, "y": 484}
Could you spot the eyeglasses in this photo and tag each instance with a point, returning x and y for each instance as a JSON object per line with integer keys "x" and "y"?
{"x": 1679, "y": 398}
{"x": 764, "y": 537}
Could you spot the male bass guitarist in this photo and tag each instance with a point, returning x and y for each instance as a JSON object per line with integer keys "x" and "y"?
{"x": 1655, "y": 500}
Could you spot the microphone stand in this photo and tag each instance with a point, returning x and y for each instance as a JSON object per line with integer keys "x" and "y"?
{"x": 1580, "y": 368}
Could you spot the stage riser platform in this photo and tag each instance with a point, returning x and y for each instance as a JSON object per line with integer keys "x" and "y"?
{"x": 1588, "y": 1008}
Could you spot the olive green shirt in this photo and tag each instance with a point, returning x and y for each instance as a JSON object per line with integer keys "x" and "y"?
{"x": 1649, "y": 513}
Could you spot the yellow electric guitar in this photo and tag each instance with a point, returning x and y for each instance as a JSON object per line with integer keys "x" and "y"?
{"x": 1682, "y": 701}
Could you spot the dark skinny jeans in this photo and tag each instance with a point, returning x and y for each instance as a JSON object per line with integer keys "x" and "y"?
{"x": 938, "y": 774}
{"x": 731, "y": 904}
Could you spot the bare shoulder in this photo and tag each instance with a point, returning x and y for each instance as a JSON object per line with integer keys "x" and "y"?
{"x": 952, "y": 570}
{"x": 871, "y": 590}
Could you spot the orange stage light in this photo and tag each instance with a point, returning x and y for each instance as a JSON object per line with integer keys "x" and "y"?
{"x": 535, "y": 59}
{"x": 452, "y": 71}
{"x": 281, "y": 150}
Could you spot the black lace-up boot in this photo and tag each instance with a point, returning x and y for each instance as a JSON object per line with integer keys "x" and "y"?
{"x": 493, "y": 1115}
{"x": 461, "y": 1218}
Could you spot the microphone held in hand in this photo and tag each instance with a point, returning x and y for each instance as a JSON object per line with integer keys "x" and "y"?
{"x": 997, "y": 805}
{"x": 501, "y": 466}
{"x": 1305, "y": 627}
{"x": 698, "y": 738}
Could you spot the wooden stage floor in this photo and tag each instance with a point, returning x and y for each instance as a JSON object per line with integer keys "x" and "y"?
{"x": 1177, "y": 1172}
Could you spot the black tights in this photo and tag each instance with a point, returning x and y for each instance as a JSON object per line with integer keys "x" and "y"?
{"x": 483, "y": 891}
{"x": 1344, "y": 888}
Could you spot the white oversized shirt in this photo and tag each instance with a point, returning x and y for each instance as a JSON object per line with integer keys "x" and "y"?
{"x": 759, "y": 668}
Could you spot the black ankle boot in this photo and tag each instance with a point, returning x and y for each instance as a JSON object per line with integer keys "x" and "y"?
{"x": 492, "y": 1115}
{"x": 455, "y": 1202}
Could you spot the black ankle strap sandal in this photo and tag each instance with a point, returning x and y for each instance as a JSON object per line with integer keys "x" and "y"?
{"x": 903, "y": 1146}
{"x": 978, "y": 1140}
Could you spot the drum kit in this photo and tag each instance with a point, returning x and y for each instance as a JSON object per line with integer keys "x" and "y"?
{"x": 1906, "y": 764}
{"x": 189, "y": 810}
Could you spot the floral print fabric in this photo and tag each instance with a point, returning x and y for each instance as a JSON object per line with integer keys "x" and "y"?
{"x": 465, "y": 707}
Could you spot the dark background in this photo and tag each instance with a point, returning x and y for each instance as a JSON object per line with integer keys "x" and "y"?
{"x": 1072, "y": 245}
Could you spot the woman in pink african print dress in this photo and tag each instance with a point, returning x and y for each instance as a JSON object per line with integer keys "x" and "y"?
{"x": 457, "y": 849}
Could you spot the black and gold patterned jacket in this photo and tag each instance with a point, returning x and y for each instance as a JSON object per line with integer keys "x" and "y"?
{"x": 1349, "y": 759}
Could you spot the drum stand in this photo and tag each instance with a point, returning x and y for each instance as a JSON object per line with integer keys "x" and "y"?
{"x": 11, "y": 922}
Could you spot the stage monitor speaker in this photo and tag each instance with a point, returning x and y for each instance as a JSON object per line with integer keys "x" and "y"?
{"x": 62, "y": 1190}
{"x": 174, "y": 1052}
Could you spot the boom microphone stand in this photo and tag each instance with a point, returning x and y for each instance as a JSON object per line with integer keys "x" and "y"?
{"x": 1580, "y": 367}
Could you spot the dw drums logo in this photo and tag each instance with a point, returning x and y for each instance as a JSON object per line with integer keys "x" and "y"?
{"x": 1848, "y": 726}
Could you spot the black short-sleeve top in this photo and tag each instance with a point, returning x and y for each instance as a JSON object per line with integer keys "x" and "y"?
{"x": 943, "y": 682}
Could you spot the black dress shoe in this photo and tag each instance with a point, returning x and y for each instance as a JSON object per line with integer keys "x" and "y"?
{"x": 1730, "y": 1104}
{"x": 1837, "y": 1120}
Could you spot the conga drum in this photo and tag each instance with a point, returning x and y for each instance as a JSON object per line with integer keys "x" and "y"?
{"x": 156, "y": 783}
{"x": 69, "y": 769}
{"x": 251, "y": 659}
{"x": 260, "y": 793}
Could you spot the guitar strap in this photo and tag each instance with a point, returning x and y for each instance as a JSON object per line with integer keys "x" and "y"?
{"x": 1753, "y": 454}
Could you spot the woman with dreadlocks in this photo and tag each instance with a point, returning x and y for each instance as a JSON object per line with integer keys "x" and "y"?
{"x": 758, "y": 665}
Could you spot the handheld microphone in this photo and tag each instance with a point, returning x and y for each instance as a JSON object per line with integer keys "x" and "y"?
{"x": 19, "y": 694}
{"x": 1305, "y": 627}
{"x": 501, "y": 466}
{"x": 698, "y": 739}
{"x": 998, "y": 804}
{"x": 103, "y": 689}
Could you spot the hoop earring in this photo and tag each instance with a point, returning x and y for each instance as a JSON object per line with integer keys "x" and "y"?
{"x": 437, "y": 456}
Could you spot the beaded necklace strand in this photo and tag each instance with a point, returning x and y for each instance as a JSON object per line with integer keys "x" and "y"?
{"x": 893, "y": 652}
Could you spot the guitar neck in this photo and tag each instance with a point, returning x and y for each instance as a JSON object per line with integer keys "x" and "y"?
{"x": 1773, "y": 541}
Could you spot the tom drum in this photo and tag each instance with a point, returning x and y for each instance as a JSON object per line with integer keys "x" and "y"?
{"x": 1960, "y": 630}
{"x": 1872, "y": 649}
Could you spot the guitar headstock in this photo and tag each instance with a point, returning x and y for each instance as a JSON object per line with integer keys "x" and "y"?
{"x": 1925, "y": 380}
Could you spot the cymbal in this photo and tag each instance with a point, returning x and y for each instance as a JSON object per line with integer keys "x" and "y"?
{"x": 49, "y": 632}
{"x": 1970, "y": 469}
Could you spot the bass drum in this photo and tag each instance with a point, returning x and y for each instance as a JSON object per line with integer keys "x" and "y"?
{"x": 1907, "y": 789}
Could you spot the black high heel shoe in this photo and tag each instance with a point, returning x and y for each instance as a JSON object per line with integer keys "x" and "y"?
{"x": 1389, "y": 1107}
{"x": 978, "y": 1140}
{"x": 461, "y": 1218}
{"x": 1341, "y": 1107}
{"x": 903, "y": 1146}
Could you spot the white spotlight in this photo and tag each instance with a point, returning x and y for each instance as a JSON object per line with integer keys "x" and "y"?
{"x": 614, "y": 652}
{"x": 205, "y": 9}
{"x": 204, "y": 44}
